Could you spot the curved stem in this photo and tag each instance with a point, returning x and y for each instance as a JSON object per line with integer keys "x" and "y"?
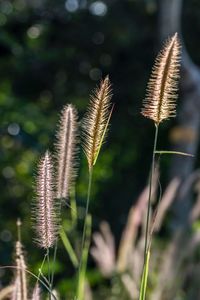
{"x": 35, "y": 276}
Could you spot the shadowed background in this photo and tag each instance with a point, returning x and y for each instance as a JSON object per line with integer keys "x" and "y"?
{"x": 55, "y": 52}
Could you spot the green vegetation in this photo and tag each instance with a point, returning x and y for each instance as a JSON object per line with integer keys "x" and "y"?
{"x": 53, "y": 53}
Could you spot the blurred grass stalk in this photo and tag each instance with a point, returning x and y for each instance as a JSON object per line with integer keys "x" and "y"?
{"x": 84, "y": 258}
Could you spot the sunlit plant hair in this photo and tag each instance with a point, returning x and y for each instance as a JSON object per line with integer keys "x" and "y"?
{"x": 36, "y": 293}
{"x": 66, "y": 151}
{"x": 95, "y": 123}
{"x": 20, "y": 284}
{"x": 160, "y": 101}
{"x": 45, "y": 208}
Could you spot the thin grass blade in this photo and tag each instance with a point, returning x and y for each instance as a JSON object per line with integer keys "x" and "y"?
{"x": 173, "y": 152}
{"x": 144, "y": 279}
{"x": 84, "y": 259}
{"x": 69, "y": 248}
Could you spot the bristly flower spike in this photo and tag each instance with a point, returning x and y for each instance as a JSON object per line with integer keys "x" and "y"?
{"x": 36, "y": 293}
{"x": 45, "y": 208}
{"x": 20, "y": 284}
{"x": 160, "y": 102}
{"x": 66, "y": 151}
{"x": 95, "y": 123}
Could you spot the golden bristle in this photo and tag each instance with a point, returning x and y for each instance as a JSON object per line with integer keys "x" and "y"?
{"x": 66, "y": 151}
{"x": 96, "y": 121}
{"x": 160, "y": 102}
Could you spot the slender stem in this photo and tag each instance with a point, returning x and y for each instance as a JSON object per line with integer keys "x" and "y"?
{"x": 54, "y": 260}
{"x": 49, "y": 277}
{"x": 150, "y": 189}
{"x": 85, "y": 220}
{"x": 19, "y": 230}
{"x": 55, "y": 251}
{"x": 40, "y": 269}
{"x": 73, "y": 207}
{"x": 87, "y": 208}
{"x": 33, "y": 275}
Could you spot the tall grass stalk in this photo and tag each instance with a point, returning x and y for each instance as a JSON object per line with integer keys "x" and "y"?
{"x": 150, "y": 190}
{"x": 81, "y": 270}
{"x": 87, "y": 206}
{"x": 144, "y": 278}
{"x": 158, "y": 106}
{"x": 84, "y": 258}
{"x": 95, "y": 126}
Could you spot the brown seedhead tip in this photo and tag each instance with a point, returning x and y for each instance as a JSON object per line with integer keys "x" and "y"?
{"x": 95, "y": 123}
{"x": 160, "y": 101}
{"x": 66, "y": 151}
{"x": 45, "y": 208}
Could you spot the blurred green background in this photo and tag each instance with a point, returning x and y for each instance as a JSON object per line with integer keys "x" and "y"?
{"x": 55, "y": 52}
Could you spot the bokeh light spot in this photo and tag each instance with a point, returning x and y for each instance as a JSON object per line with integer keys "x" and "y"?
{"x": 34, "y": 31}
{"x": 95, "y": 74}
{"x": 8, "y": 172}
{"x": 71, "y": 5}
{"x": 98, "y": 8}
{"x": 5, "y": 235}
{"x": 6, "y": 7}
{"x": 13, "y": 129}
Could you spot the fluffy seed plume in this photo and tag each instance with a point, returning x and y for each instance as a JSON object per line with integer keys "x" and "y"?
{"x": 66, "y": 151}
{"x": 55, "y": 295}
{"x": 96, "y": 121}
{"x": 36, "y": 293}
{"x": 20, "y": 284}
{"x": 45, "y": 208}
{"x": 160, "y": 102}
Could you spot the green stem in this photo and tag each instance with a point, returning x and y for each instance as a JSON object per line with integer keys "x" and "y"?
{"x": 84, "y": 259}
{"x": 85, "y": 224}
{"x": 40, "y": 269}
{"x": 86, "y": 208}
{"x": 144, "y": 279}
{"x": 73, "y": 207}
{"x": 49, "y": 275}
{"x": 150, "y": 190}
{"x": 69, "y": 248}
{"x": 55, "y": 250}
{"x": 54, "y": 261}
